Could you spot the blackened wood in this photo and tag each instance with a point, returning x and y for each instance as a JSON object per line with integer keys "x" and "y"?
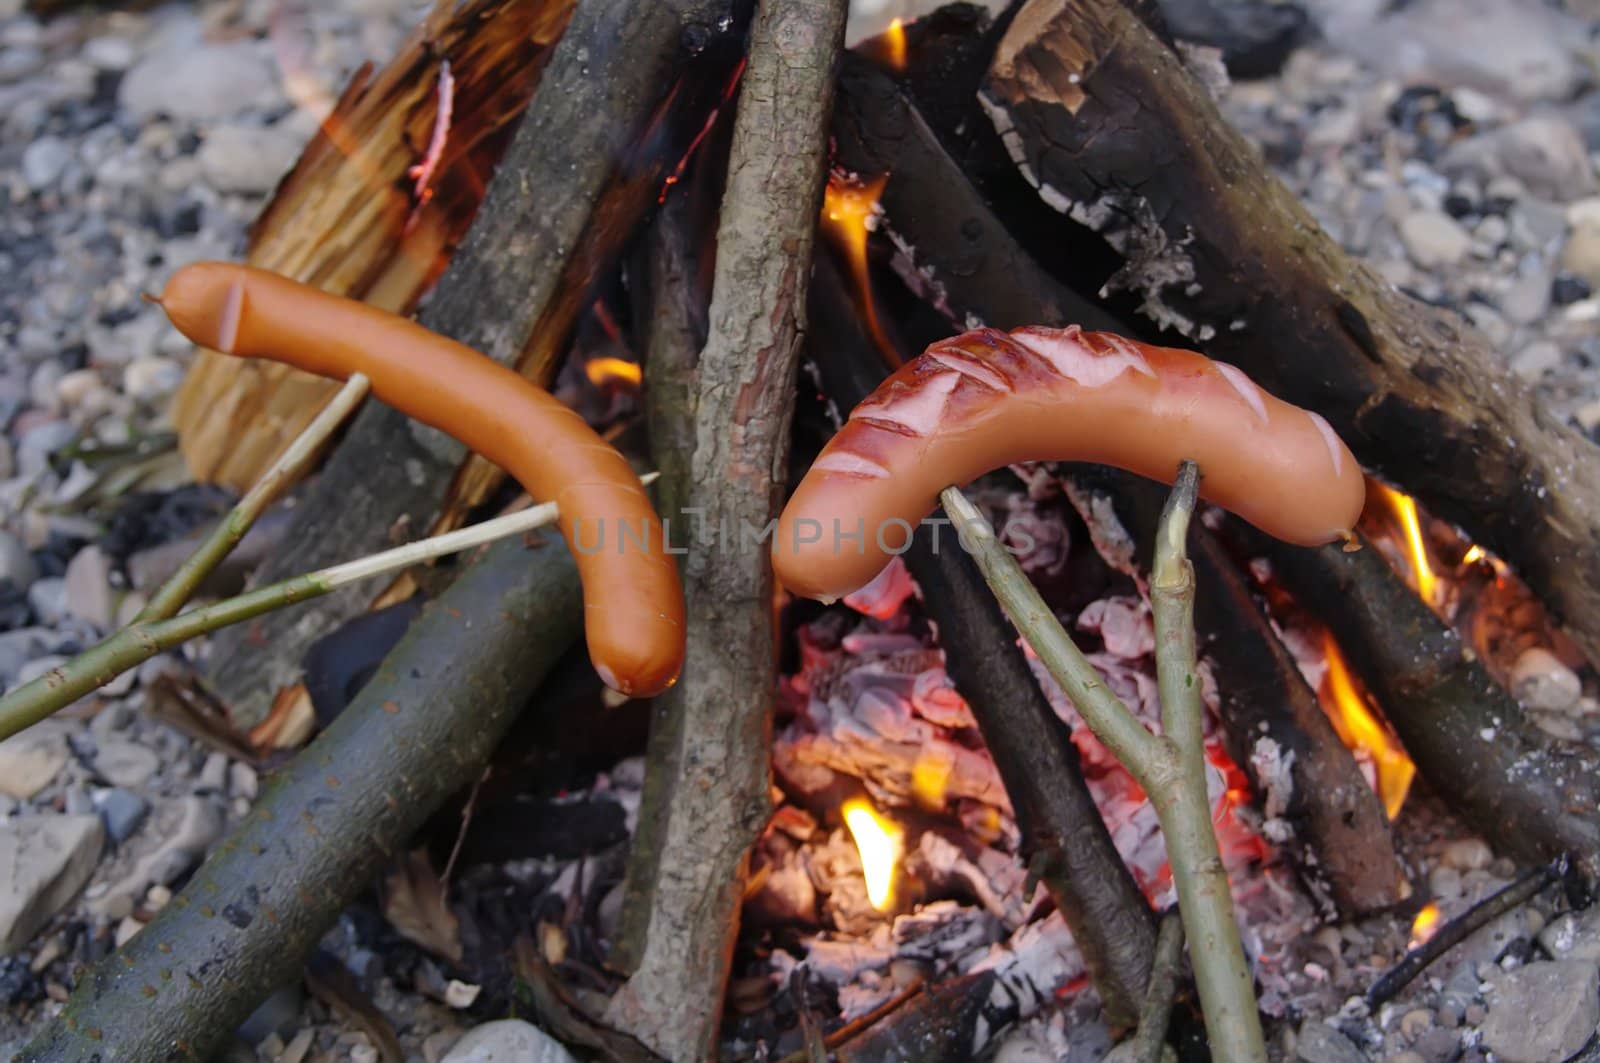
{"x": 577, "y": 178}
{"x": 420, "y": 730}
{"x": 1112, "y": 128}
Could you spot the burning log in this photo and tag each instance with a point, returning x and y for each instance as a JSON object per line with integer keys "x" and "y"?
{"x": 421, "y": 730}
{"x": 579, "y": 174}
{"x": 347, "y": 220}
{"x": 745, "y": 393}
{"x": 1064, "y": 839}
{"x": 1325, "y": 814}
{"x": 1104, "y": 119}
{"x": 966, "y": 256}
{"x": 1530, "y": 794}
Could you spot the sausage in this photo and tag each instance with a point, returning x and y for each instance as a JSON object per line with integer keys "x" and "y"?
{"x": 633, "y": 603}
{"x": 987, "y": 398}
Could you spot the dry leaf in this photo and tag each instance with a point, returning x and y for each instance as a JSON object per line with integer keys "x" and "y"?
{"x": 414, "y": 903}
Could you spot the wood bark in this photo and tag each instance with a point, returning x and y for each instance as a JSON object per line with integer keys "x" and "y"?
{"x": 348, "y": 218}
{"x": 976, "y": 266}
{"x": 572, "y": 184}
{"x": 420, "y": 730}
{"x": 745, "y": 400}
{"x": 1108, "y": 124}
{"x": 1064, "y": 840}
{"x": 1530, "y": 795}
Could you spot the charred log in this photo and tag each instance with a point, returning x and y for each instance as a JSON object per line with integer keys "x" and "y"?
{"x": 1105, "y": 120}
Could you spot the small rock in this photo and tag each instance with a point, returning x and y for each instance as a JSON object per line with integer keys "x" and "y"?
{"x": 1321, "y": 1043}
{"x": 151, "y": 379}
{"x": 171, "y": 842}
{"x": 242, "y": 780}
{"x": 44, "y": 862}
{"x": 1547, "y": 155}
{"x": 1444, "y": 883}
{"x": 1434, "y": 239}
{"x": 1567, "y": 289}
{"x": 213, "y": 774}
{"x": 126, "y": 930}
{"x": 1573, "y": 936}
{"x": 1414, "y": 1023}
{"x": 41, "y": 442}
{"x": 217, "y": 81}
{"x": 43, "y": 162}
{"x": 461, "y": 995}
{"x": 48, "y": 600}
{"x": 1544, "y": 1012}
{"x": 19, "y": 647}
{"x": 89, "y": 593}
{"x": 1581, "y": 256}
{"x": 1536, "y": 359}
{"x": 278, "y": 1015}
{"x": 110, "y": 53}
{"x": 513, "y": 1041}
{"x": 1537, "y": 225}
{"x": 1467, "y": 854}
{"x": 126, "y": 764}
{"x": 30, "y": 761}
{"x": 39, "y": 666}
{"x": 121, "y": 811}
{"x": 1528, "y": 298}
{"x": 1540, "y": 681}
{"x": 17, "y": 566}
{"x": 247, "y": 159}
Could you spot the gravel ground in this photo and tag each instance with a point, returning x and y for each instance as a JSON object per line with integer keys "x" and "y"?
{"x": 1450, "y": 143}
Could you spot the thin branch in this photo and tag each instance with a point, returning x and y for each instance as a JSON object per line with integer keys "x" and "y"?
{"x": 143, "y": 639}
{"x": 284, "y": 471}
{"x": 1151, "y": 1036}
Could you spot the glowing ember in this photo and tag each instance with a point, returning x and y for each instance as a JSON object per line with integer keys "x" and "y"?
{"x": 1423, "y": 926}
{"x": 602, "y": 371}
{"x": 879, "y": 841}
{"x": 1473, "y": 555}
{"x": 1405, "y": 510}
{"x": 422, "y": 173}
{"x": 1360, "y": 730}
{"x": 849, "y": 211}
{"x": 894, "y": 41}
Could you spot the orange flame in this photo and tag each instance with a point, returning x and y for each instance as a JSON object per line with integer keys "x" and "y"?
{"x": 1423, "y": 926}
{"x": 1405, "y": 511}
{"x": 849, "y": 211}
{"x": 1474, "y": 554}
{"x": 879, "y": 842}
{"x": 1360, "y": 730}
{"x": 603, "y": 371}
{"x": 894, "y": 45}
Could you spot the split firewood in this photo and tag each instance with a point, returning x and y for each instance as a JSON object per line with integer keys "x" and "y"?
{"x": 421, "y": 729}
{"x": 378, "y": 198}
{"x": 1532, "y": 795}
{"x": 1112, "y": 129}
{"x": 744, "y": 402}
{"x": 576, "y": 179}
{"x": 973, "y": 265}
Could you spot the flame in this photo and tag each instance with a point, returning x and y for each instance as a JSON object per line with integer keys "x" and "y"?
{"x": 894, "y": 46}
{"x": 1423, "y": 926}
{"x": 1405, "y": 510}
{"x": 879, "y": 841}
{"x": 602, "y": 371}
{"x": 849, "y": 211}
{"x": 1474, "y": 554}
{"x": 422, "y": 173}
{"x": 1360, "y": 730}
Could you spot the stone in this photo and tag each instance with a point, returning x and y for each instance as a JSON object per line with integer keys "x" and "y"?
{"x": 1567, "y": 289}
{"x": 90, "y": 595}
{"x": 48, "y": 600}
{"x": 126, "y": 764}
{"x": 508, "y": 1041}
{"x": 1581, "y": 256}
{"x": 1321, "y": 1043}
{"x": 242, "y": 780}
{"x": 151, "y": 379}
{"x": 121, "y": 811}
{"x": 172, "y": 841}
{"x": 1433, "y": 239}
{"x": 216, "y": 81}
{"x": 17, "y": 566}
{"x": 43, "y": 162}
{"x": 247, "y": 159}
{"x": 110, "y": 52}
{"x": 1467, "y": 854}
{"x": 19, "y": 647}
{"x": 213, "y": 774}
{"x": 1573, "y": 936}
{"x": 1544, "y": 1012}
{"x": 1540, "y": 681}
{"x": 31, "y": 760}
{"x": 1528, "y": 298}
{"x": 1548, "y": 156}
{"x": 1536, "y": 359}
{"x": 44, "y": 862}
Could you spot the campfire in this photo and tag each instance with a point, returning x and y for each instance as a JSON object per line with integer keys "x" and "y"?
{"x": 884, "y": 826}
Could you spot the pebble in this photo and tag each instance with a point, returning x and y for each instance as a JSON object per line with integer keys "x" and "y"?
{"x": 122, "y": 812}
{"x": 185, "y": 82}
{"x": 213, "y": 774}
{"x": 1467, "y": 854}
{"x": 90, "y": 595}
{"x": 31, "y": 760}
{"x": 1528, "y": 298}
{"x": 248, "y": 159}
{"x": 43, "y": 162}
{"x": 151, "y": 379}
{"x": 1544, "y": 1012}
{"x": 1321, "y": 1043}
{"x": 242, "y": 780}
{"x": 1540, "y": 681}
{"x": 44, "y": 862}
{"x": 1548, "y": 156}
{"x": 510, "y": 1041}
{"x": 126, "y": 764}
{"x": 1444, "y": 883}
{"x": 1573, "y": 936}
{"x": 1581, "y": 256}
{"x": 17, "y": 566}
{"x": 48, "y": 599}
{"x": 1536, "y": 359}
{"x": 1434, "y": 239}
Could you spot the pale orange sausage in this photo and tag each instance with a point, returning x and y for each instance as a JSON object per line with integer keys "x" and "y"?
{"x": 633, "y": 604}
{"x": 987, "y": 399}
